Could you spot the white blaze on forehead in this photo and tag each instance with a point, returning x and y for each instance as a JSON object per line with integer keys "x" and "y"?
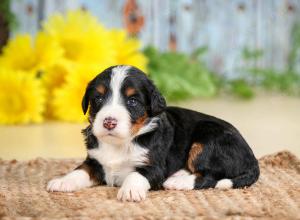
{"x": 114, "y": 108}
{"x": 119, "y": 73}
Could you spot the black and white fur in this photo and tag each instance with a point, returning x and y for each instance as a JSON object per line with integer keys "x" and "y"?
{"x": 151, "y": 146}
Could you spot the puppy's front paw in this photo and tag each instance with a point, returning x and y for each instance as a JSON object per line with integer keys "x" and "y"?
{"x": 134, "y": 188}
{"x": 131, "y": 194}
{"x": 73, "y": 181}
{"x": 61, "y": 185}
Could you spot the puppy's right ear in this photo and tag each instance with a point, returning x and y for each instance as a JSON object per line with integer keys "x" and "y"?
{"x": 86, "y": 99}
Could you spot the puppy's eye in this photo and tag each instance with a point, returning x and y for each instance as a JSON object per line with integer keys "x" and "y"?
{"x": 132, "y": 102}
{"x": 99, "y": 99}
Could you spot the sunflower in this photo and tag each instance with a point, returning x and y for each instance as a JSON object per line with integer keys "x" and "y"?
{"x": 82, "y": 38}
{"x": 22, "y": 53}
{"x": 54, "y": 77}
{"x": 22, "y": 98}
{"x": 127, "y": 50}
{"x": 18, "y": 53}
{"x": 47, "y": 51}
{"x": 66, "y": 103}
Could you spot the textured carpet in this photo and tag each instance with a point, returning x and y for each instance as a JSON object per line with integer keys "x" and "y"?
{"x": 22, "y": 194}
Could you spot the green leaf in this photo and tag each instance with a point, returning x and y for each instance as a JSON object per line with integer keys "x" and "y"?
{"x": 252, "y": 54}
{"x": 178, "y": 76}
{"x": 242, "y": 89}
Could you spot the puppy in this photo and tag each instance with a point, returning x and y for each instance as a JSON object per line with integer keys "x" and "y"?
{"x": 134, "y": 141}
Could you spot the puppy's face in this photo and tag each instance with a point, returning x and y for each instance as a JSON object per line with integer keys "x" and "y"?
{"x": 122, "y": 102}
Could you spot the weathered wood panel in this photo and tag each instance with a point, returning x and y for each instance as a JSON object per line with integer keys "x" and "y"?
{"x": 26, "y": 12}
{"x": 226, "y": 27}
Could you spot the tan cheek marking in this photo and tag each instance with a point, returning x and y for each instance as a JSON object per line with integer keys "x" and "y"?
{"x": 195, "y": 150}
{"x": 138, "y": 124}
{"x": 130, "y": 91}
{"x": 101, "y": 89}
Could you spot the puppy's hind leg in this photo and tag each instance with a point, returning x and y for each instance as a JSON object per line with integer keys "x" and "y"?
{"x": 195, "y": 165}
{"x": 196, "y": 161}
{"x": 191, "y": 177}
{"x": 86, "y": 175}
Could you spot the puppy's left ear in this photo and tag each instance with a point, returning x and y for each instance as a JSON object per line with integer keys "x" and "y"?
{"x": 86, "y": 99}
{"x": 157, "y": 101}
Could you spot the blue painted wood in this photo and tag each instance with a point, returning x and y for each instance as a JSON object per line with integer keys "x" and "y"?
{"x": 26, "y": 14}
{"x": 108, "y": 12}
{"x": 225, "y": 26}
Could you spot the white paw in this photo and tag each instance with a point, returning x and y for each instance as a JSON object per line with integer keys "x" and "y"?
{"x": 181, "y": 172}
{"x": 61, "y": 185}
{"x": 73, "y": 181}
{"x": 180, "y": 182}
{"x": 131, "y": 194}
{"x": 134, "y": 188}
{"x": 224, "y": 184}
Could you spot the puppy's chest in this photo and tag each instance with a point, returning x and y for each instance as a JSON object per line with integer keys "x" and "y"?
{"x": 118, "y": 161}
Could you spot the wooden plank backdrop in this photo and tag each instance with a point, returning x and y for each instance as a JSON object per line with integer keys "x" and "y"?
{"x": 226, "y": 27}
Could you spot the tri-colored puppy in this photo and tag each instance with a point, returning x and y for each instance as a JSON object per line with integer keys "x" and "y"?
{"x": 138, "y": 143}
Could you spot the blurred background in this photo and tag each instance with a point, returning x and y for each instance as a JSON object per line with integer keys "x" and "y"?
{"x": 235, "y": 59}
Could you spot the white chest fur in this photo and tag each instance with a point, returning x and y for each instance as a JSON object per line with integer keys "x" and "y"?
{"x": 118, "y": 161}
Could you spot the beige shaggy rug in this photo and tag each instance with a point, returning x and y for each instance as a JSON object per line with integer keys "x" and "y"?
{"x": 22, "y": 194}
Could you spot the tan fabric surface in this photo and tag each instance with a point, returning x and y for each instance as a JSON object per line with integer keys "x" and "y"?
{"x": 22, "y": 193}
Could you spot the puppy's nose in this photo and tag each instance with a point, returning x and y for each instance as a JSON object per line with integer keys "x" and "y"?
{"x": 110, "y": 123}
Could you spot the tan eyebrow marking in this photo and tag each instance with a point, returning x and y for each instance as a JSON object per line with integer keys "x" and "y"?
{"x": 130, "y": 91}
{"x": 101, "y": 89}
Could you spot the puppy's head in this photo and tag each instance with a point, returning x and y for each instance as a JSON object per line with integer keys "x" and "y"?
{"x": 122, "y": 104}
